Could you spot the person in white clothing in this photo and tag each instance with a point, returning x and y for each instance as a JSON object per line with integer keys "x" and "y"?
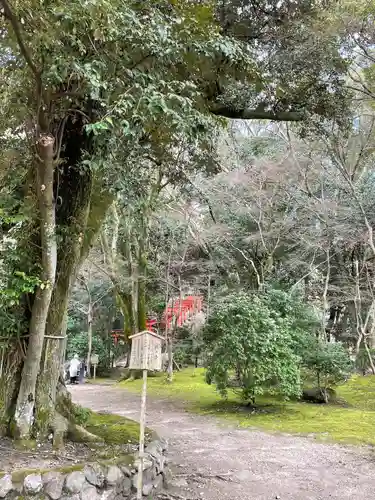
{"x": 74, "y": 367}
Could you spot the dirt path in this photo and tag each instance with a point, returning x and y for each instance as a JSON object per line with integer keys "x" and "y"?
{"x": 261, "y": 466}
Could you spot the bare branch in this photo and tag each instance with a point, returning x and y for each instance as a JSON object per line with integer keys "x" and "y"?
{"x": 258, "y": 113}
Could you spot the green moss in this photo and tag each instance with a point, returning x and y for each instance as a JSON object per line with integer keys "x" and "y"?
{"x": 13, "y": 429}
{"x": 67, "y": 469}
{"x": 324, "y": 422}
{"x": 114, "y": 429}
{"x": 25, "y": 444}
{"x": 122, "y": 460}
{"x": 18, "y": 476}
{"x": 359, "y": 392}
{"x": 43, "y": 420}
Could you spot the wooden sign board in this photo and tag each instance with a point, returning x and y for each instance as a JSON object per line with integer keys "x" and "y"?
{"x": 94, "y": 360}
{"x": 146, "y": 351}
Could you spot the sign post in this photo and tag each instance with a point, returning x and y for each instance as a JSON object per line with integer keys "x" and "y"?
{"x": 94, "y": 360}
{"x": 145, "y": 355}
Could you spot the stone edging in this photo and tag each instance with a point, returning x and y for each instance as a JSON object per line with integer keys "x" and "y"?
{"x": 95, "y": 481}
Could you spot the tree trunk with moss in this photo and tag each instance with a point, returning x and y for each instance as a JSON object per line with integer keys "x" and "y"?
{"x": 78, "y": 219}
{"x": 75, "y": 188}
{"x": 25, "y": 406}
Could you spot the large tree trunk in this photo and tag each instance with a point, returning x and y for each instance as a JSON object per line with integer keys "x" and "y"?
{"x": 76, "y": 186}
{"x": 24, "y": 412}
{"x": 12, "y": 355}
{"x": 35, "y": 396}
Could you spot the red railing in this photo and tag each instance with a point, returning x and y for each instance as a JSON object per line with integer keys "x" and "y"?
{"x": 180, "y": 313}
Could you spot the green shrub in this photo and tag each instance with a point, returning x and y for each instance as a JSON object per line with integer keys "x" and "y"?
{"x": 254, "y": 343}
{"x": 81, "y": 414}
{"x": 329, "y": 363}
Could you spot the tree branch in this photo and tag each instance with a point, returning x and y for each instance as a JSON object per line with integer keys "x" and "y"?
{"x": 255, "y": 114}
{"x": 17, "y": 31}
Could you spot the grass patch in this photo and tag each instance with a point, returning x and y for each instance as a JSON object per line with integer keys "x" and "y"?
{"x": 114, "y": 429}
{"x": 354, "y": 424}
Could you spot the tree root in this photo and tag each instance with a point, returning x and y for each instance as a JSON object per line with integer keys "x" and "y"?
{"x": 174, "y": 496}
{"x": 222, "y": 476}
{"x": 63, "y": 428}
{"x": 79, "y": 434}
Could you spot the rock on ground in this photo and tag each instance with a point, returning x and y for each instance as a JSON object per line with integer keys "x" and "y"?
{"x": 94, "y": 474}
{"x": 114, "y": 475}
{"x": 75, "y": 482}
{"x": 33, "y": 484}
{"x": 53, "y": 484}
{"x": 89, "y": 493}
{"x": 5, "y": 485}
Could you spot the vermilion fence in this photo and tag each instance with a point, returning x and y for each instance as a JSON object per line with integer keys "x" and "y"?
{"x": 179, "y": 312}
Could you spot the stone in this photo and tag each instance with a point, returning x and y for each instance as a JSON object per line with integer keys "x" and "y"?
{"x": 134, "y": 481}
{"x": 160, "y": 464}
{"x": 318, "y": 395}
{"x": 89, "y": 492}
{"x": 126, "y": 470}
{"x": 155, "y": 449}
{"x": 158, "y": 482}
{"x": 149, "y": 475}
{"x": 147, "y": 463}
{"x": 6, "y": 485}
{"x": 164, "y": 444}
{"x": 147, "y": 488}
{"x": 18, "y": 488}
{"x": 144, "y": 483}
{"x": 75, "y": 482}
{"x": 53, "y": 484}
{"x": 70, "y": 497}
{"x": 167, "y": 477}
{"x": 94, "y": 474}
{"x": 108, "y": 495}
{"x": 114, "y": 475}
{"x": 126, "y": 486}
{"x": 33, "y": 484}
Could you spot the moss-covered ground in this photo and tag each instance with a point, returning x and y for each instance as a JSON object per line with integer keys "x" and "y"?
{"x": 115, "y": 430}
{"x": 352, "y": 423}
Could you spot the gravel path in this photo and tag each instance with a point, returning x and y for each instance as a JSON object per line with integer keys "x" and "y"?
{"x": 252, "y": 464}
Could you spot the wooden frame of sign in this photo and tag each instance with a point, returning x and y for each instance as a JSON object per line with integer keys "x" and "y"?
{"x": 145, "y": 355}
{"x": 94, "y": 360}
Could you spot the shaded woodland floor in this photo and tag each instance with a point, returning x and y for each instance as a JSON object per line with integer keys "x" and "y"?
{"x": 216, "y": 460}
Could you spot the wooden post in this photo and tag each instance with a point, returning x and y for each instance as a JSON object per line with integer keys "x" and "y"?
{"x": 94, "y": 360}
{"x": 142, "y": 437}
{"x": 145, "y": 355}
